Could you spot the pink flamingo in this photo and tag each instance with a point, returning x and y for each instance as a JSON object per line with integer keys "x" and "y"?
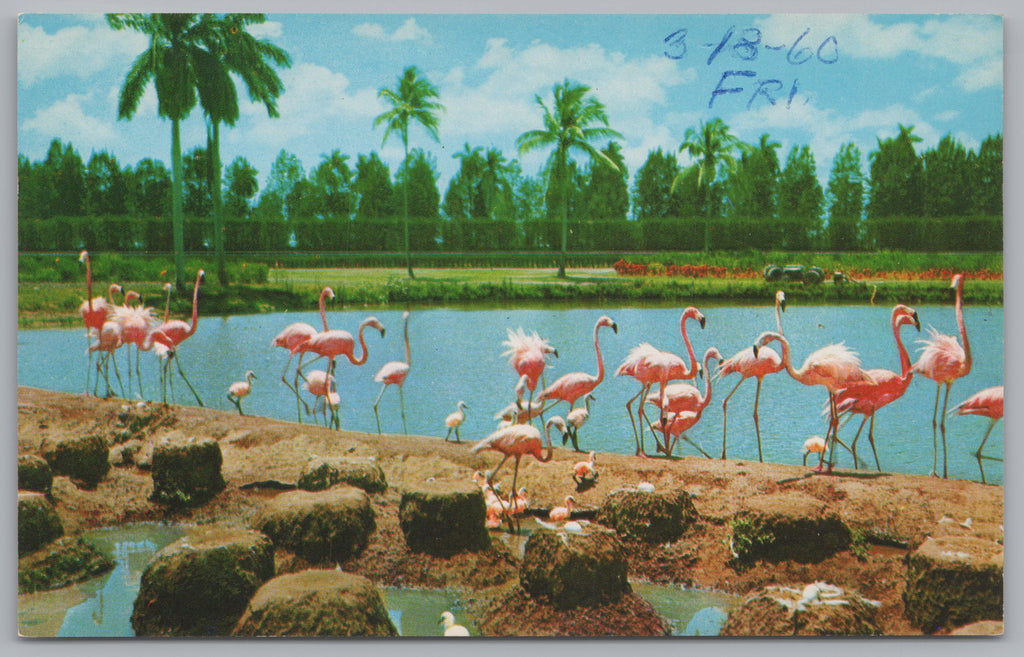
{"x": 297, "y": 333}
{"x": 834, "y": 366}
{"x": 528, "y": 355}
{"x": 320, "y": 383}
{"x": 766, "y": 362}
{"x": 517, "y": 441}
{"x": 94, "y": 312}
{"x": 175, "y": 331}
{"x": 944, "y": 361}
{"x": 988, "y": 403}
{"x": 136, "y": 323}
{"x": 650, "y": 365}
{"x": 108, "y": 341}
{"x": 576, "y": 418}
{"x": 888, "y": 386}
{"x": 336, "y": 342}
{"x": 455, "y": 420}
{"x": 572, "y": 386}
{"x": 394, "y": 373}
{"x": 240, "y": 389}
{"x": 685, "y": 407}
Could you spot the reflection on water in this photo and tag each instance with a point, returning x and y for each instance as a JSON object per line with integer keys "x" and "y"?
{"x": 456, "y": 355}
{"x": 417, "y": 612}
{"x": 691, "y": 612}
{"x": 100, "y": 607}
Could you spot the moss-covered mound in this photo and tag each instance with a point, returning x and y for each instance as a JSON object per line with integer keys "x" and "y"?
{"x": 573, "y": 570}
{"x": 82, "y": 458}
{"x": 316, "y": 603}
{"x": 186, "y": 472}
{"x": 654, "y": 518}
{"x": 38, "y": 522}
{"x": 322, "y": 473}
{"x": 953, "y": 581}
{"x": 444, "y": 519}
{"x": 786, "y": 526}
{"x": 138, "y": 421}
{"x": 200, "y": 585}
{"x": 328, "y": 527}
{"x": 126, "y": 454}
{"x": 61, "y": 563}
{"x": 517, "y": 614}
{"x": 784, "y": 611}
{"x": 34, "y": 473}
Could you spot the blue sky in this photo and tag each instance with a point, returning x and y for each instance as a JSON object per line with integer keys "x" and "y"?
{"x": 824, "y": 80}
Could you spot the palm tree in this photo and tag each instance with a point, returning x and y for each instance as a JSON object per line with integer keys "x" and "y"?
{"x": 710, "y": 146}
{"x": 568, "y": 125}
{"x": 170, "y": 63}
{"x": 494, "y": 184}
{"x": 411, "y": 100}
{"x": 236, "y": 51}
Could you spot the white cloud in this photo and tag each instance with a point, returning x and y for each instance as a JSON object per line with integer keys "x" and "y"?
{"x": 267, "y": 30}
{"x": 948, "y": 115}
{"x": 410, "y": 30}
{"x": 80, "y": 51}
{"x": 66, "y": 119}
{"x": 988, "y": 74}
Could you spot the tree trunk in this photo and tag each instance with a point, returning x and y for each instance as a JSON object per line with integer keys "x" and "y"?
{"x": 563, "y": 184}
{"x": 405, "y": 214}
{"x": 218, "y": 206}
{"x": 177, "y": 217}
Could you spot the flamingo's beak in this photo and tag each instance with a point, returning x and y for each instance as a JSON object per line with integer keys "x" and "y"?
{"x": 702, "y": 321}
{"x": 555, "y": 352}
{"x": 782, "y": 305}
{"x": 917, "y": 322}
{"x": 615, "y": 327}
{"x": 755, "y": 350}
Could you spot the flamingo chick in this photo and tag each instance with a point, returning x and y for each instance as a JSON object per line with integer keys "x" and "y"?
{"x": 813, "y": 445}
{"x": 576, "y": 418}
{"x": 455, "y": 420}
{"x": 240, "y": 389}
{"x": 584, "y": 469}
{"x": 450, "y": 627}
{"x": 561, "y": 513}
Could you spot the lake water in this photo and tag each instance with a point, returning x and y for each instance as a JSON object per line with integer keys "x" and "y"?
{"x": 456, "y": 355}
{"x": 102, "y": 607}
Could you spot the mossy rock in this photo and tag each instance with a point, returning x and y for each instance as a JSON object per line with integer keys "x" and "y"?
{"x": 316, "y": 603}
{"x": 125, "y": 454}
{"x": 953, "y": 581}
{"x": 82, "y": 458}
{"x": 444, "y": 519}
{"x": 774, "y": 611}
{"x": 200, "y": 585}
{"x": 654, "y": 518}
{"x": 327, "y": 527}
{"x": 65, "y": 561}
{"x": 186, "y": 472}
{"x": 787, "y": 526}
{"x": 573, "y": 570}
{"x": 322, "y": 473}
{"x": 38, "y": 522}
{"x": 139, "y": 420}
{"x": 34, "y": 473}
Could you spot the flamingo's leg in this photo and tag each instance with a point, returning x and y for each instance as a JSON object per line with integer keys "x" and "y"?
{"x": 177, "y": 361}
{"x": 401, "y": 404}
{"x": 376, "y": 402}
{"x": 945, "y": 403}
{"x": 991, "y": 424}
{"x": 853, "y": 445}
{"x": 935, "y": 438}
{"x": 871, "y": 439}
{"x": 632, "y": 422}
{"x": 725, "y": 414}
{"x": 757, "y": 423}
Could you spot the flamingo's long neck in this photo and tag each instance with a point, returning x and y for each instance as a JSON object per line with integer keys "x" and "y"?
{"x": 962, "y": 327}
{"x": 362, "y": 345}
{"x": 195, "y": 307}
{"x": 88, "y": 282}
{"x": 408, "y": 358}
{"x": 323, "y": 310}
{"x": 167, "y": 308}
{"x": 778, "y": 316}
{"x": 689, "y": 347}
{"x": 904, "y": 356}
{"x": 707, "y": 383}
{"x": 787, "y": 359}
{"x": 549, "y": 447}
{"x": 597, "y": 350}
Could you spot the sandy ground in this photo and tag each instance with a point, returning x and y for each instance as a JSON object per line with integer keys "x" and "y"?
{"x": 896, "y": 512}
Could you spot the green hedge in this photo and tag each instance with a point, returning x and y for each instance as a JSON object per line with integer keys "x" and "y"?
{"x": 153, "y": 235}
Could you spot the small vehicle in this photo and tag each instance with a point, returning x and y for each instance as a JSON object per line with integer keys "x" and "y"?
{"x": 795, "y": 273}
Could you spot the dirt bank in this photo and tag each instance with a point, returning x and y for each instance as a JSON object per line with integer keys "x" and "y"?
{"x": 890, "y": 515}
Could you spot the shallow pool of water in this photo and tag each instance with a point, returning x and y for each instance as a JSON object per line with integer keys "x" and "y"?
{"x": 456, "y": 355}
